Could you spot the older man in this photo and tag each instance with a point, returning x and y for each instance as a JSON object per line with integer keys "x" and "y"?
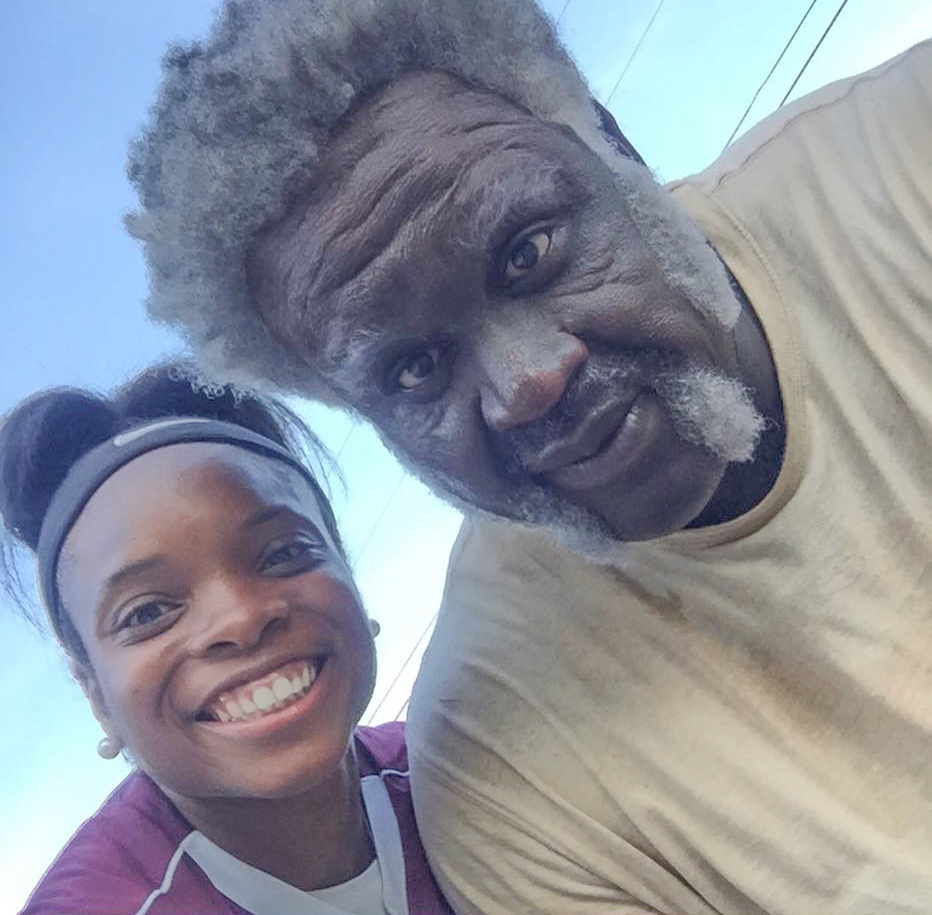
{"x": 683, "y": 664}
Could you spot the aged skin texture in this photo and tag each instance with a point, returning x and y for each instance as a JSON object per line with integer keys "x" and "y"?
{"x": 473, "y": 281}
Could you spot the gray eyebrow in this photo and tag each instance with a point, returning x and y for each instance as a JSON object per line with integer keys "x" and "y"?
{"x": 349, "y": 351}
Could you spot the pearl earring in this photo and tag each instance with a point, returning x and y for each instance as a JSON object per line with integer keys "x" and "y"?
{"x": 374, "y": 628}
{"x": 108, "y": 748}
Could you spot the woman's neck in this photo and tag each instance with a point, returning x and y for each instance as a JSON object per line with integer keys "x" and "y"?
{"x": 310, "y": 841}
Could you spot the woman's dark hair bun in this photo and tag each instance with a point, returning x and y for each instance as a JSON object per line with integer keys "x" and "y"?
{"x": 39, "y": 442}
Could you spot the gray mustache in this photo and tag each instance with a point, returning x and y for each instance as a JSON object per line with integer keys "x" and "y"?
{"x": 602, "y": 377}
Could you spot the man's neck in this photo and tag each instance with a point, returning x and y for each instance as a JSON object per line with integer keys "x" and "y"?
{"x": 744, "y": 485}
{"x": 313, "y": 840}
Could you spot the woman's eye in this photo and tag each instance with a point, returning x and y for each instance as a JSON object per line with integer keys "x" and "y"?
{"x": 295, "y": 556}
{"x": 527, "y": 253}
{"x": 416, "y": 368}
{"x": 147, "y": 614}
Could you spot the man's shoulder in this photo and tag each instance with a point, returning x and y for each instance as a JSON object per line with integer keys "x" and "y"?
{"x": 492, "y": 548}
{"x": 819, "y": 118}
{"x": 116, "y": 858}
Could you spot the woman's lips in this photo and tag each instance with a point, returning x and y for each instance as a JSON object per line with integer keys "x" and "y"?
{"x": 621, "y": 448}
{"x": 264, "y": 694}
{"x": 278, "y": 720}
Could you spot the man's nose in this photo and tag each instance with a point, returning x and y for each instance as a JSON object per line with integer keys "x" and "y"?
{"x": 234, "y": 617}
{"x": 525, "y": 378}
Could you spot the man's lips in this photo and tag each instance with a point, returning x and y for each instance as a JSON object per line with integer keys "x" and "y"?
{"x": 621, "y": 447}
{"x": 586, "y": 440}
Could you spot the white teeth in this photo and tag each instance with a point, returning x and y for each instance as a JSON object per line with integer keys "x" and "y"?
{"x": 271, "y": 695}
{"x": 281, "y": 688}
{"x": 263, "y": 697}
{"x": 249, "y": 707}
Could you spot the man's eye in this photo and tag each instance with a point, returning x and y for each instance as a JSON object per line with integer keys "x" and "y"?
{"x": 527, "y": 253}
{"x": 416, "y": 369}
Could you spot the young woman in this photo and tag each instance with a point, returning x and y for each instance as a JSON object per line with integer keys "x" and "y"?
{"x": 192, "y": 570}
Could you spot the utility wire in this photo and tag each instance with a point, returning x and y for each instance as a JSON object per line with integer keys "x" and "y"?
{"x": 565, "y": 5}
{"x": 828, "y": 28}
{"x": 401, "y": 711}
{"x": 776, "y": 64}
{"x": 633, "y": 54}
{"x": 378, "y": 520}
{"x": 342, "y": 447}
{"x": 401, "y": 670}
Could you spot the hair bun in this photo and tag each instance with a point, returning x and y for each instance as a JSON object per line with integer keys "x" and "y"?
{"x": 39, "y": 443}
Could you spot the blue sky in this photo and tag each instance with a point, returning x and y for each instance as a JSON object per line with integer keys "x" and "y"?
{"x": 75, "y": 81}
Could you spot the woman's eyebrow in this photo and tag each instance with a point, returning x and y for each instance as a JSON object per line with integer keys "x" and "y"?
{"x": 271, "y": 512}
{"x": 123, "y": 574}
{"x": 265, "y": 514}
{"x": 129, "y": 570}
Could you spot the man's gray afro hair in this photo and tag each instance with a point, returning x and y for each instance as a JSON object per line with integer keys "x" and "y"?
{"x": 241, "y": 118}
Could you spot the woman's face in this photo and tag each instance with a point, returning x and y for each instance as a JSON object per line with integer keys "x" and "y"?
{"x": 228, "y": 649}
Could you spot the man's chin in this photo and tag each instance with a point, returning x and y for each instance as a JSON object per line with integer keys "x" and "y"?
{"x": 593, "y": 534}
{"x": 531, "y": 506}
{"x": 661, "y": 503}
{"x": 600, "y": 534}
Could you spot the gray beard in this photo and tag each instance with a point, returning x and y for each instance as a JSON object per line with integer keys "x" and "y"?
{"x": 707, "y": 407}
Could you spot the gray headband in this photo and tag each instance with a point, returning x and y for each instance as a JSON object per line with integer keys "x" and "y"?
{"x": 93, "y": 469}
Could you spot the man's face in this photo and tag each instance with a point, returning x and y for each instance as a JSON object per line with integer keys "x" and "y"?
{"x": 473, "y": 281}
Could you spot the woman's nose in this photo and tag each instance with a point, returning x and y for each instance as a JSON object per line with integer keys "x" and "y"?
{"x": 234, "y": 616}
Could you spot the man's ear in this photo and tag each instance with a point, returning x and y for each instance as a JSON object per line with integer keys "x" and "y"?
{"x": 91, "y": 689}
{"x": 611, "y": 130}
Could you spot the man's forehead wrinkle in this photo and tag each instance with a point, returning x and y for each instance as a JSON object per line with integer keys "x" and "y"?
{"x": 525, "y": 180}
{"x": 376, "y": 191}
{"x": 383, "y": 207}
{"x": 387, "y": 210}
{"x": 404, "y": 176}
{"x": 386, "y": 287}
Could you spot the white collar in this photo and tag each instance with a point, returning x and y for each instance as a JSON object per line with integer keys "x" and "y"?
{"x": 262, "y": 894}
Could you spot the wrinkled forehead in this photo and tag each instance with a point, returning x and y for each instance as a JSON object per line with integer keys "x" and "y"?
{"x": 426, "y": 165}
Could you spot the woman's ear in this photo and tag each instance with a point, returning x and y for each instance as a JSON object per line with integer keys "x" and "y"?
{"x": 111, "y": 745}
{"x": 91, "y": 689}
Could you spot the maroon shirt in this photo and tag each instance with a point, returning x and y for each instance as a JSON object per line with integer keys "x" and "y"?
{"x": 129, "y": 857}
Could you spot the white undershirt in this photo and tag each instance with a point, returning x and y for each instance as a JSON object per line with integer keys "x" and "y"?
{"x": 360, "y": 896}
{"x": 379, "y": 890}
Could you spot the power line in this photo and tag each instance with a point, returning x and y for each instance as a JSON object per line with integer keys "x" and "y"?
{"x": 352, "y": 429}
{"x": 565, "y": 5}
{"x": 378, "y": 520}
{"x": 401, "y": 670}
{"x": 631, "y": 57}
{"x": 828, "y": 28}
{"x": 776, "y": 64}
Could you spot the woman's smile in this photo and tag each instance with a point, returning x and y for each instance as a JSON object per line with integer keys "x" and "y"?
{"x": 240, "y": 658}
{"x": 280, "y": 706}
{"x": 264, "y": 694}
